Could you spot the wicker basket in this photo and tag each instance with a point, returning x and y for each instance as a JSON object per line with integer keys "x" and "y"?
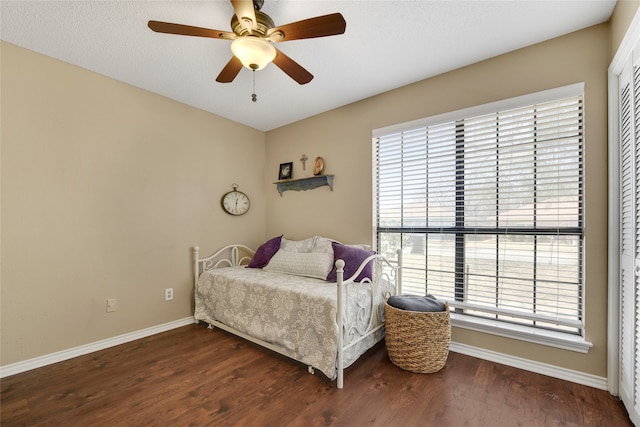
{"x": 417, "y": 341}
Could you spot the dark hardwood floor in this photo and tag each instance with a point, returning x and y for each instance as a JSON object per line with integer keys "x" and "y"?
{"x": 192, "y": 376}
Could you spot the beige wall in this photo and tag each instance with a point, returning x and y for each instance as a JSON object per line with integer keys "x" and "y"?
{"x": 105, "y": 188}
{"x": 343, "y": 138}
{"x": 620, "y": 20}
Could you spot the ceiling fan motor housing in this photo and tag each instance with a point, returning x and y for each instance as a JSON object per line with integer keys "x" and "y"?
{"x": 265, "y": 23}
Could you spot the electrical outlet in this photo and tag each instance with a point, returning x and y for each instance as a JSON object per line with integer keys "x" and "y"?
{"x": 111, "y": 305}
{"x": 168, "y": 294}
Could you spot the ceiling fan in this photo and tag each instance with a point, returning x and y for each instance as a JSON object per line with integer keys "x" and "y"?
{"x": 253, "y": 34}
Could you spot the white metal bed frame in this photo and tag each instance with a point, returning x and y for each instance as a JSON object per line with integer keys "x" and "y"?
{"x": 384, "y": 272}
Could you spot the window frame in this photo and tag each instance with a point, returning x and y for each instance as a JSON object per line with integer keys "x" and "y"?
{"x": 568, "y": 341}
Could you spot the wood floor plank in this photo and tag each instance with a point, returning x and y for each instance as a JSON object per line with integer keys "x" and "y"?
{"x": 192, "y": 376}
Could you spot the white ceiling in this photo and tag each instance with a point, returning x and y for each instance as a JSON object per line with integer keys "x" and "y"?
{"x": 387, "y": 44}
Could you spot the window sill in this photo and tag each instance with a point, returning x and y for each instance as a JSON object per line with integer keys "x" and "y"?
{"x": 522, "y": 333}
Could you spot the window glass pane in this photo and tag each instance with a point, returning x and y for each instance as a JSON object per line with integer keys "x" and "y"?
{"x": 516, "y": 273}
{"x": 441, "y": 265}
{"x": 428, "y": 275}
{"x": 479, "y": 173}
{"x": 558, "y": 273}
{"x": 440, "y": 179}
{"x": 480, "y": 269}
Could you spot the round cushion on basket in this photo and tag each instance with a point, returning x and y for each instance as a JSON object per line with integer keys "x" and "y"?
{"x": 427, "y": 303}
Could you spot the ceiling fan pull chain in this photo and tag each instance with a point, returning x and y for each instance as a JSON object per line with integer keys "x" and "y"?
{"x": 254, "y": 97}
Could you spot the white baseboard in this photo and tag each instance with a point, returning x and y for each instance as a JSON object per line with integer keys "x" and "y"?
{"x": 530, "y": 365}
{"x": 48, "y": 359}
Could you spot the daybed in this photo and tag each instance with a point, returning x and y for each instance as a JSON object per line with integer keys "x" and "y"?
{"x": 294, "y": 297}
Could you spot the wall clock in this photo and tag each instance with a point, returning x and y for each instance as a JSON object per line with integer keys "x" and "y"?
{"x": 235, "y": 202}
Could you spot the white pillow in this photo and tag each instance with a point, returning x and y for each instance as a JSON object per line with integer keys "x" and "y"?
{"x": 306, "y": 264}
{"x": 323, "y": 245}
{"x": 305, "y": 245}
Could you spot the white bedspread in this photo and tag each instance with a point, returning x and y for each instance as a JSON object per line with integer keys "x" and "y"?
{"x": 295, "y": 313}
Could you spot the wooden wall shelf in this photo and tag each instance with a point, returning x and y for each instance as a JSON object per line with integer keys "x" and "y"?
{"x": 304, "y": 184}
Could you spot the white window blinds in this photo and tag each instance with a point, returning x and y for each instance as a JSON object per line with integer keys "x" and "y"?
{"x": 486, "y": 205}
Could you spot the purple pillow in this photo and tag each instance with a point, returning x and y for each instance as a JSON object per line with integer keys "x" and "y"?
{"x": 352, "y": 258}
{"x": 265, "y": 252}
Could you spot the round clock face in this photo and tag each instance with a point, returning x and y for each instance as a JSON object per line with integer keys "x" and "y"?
{"x": 235, "y": 203}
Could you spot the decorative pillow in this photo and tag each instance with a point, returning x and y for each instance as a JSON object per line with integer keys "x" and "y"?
{"x": 323, "y": 245}
{"x": 307, "y": 264}
{"x": 299, "y": 246}
{"x": 352, "y": 257}
{"x": 361, "y": 246}
{"x": 265, "y": 252}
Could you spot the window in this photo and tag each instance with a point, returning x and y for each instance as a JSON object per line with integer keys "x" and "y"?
{"x": 486, "y": 205}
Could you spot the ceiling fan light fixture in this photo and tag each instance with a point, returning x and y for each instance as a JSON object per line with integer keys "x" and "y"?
{"x": 254, "y": 52}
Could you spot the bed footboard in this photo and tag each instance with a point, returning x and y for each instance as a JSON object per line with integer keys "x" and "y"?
{"x": 369, "y": 296}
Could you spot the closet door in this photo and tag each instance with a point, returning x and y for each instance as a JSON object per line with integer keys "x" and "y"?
{"x": 629, "y": 234}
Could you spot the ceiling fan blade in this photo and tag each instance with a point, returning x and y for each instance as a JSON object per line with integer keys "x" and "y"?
{"x": 230, "y": 71}
{"x": 245, "y": 13}
{"x": 320, "y": 26}
{"x": 187, "y": 30}
{"x": 292, "y": 68}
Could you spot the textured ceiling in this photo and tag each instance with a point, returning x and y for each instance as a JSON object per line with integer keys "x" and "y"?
{"x": 387, "y": 44}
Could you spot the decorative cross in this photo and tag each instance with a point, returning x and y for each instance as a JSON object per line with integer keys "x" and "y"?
{"x": 304, "y": 159}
